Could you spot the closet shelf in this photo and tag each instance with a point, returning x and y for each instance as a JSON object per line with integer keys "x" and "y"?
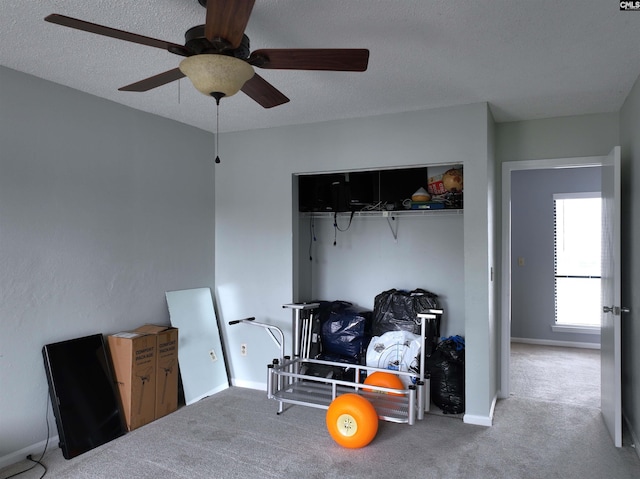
{"x": 383, "y": 214}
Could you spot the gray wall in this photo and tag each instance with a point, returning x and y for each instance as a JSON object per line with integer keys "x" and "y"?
{"x": 564, "y": 137}
{"x": 102, "y": 209}
{"x": 367, "y": 260}
{"x": 532, "y": 286}
{"x": 257, "y": 256}
{"x": 630, "y": 140}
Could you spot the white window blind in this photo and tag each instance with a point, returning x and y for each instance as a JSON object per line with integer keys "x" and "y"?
{"x": 577, "y": 259}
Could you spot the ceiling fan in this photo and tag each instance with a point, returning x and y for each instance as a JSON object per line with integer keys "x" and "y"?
{"x": 218, "y": 59}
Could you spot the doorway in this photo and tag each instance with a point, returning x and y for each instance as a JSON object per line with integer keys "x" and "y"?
{"x": 508, "y": 254}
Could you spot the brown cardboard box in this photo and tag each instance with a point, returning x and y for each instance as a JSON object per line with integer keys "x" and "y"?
{"x": 134, "y": 364}
{"x": 166, "y": 367}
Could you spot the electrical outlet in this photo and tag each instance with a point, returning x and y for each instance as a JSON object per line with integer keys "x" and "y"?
{"x": 243, "y": 349}
{"x": 212, "y": 353}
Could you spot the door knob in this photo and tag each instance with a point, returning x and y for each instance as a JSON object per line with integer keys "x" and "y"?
{"x": 615, "y": 310}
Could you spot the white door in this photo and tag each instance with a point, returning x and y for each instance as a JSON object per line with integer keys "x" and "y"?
{"x": 611, "y": 362}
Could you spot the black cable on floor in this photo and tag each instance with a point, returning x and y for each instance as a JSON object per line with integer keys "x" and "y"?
{"x": 39, "y": 460}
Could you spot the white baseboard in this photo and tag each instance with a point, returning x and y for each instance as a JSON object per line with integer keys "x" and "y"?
{"x": 493, "y": 407}
{"x": 551, "y": 342}
{"x": 477, "y": 420}
{"x": 207, "y": 394}
{"x": 35, "y": 450}
{"x": 635, "y": 442}
{"x": 482, "y": 420}
{"x": 249, "y": 384}
{"x": 576, "y": 329}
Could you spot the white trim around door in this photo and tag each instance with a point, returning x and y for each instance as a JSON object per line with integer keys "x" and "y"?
{"x": 507, "y": 168}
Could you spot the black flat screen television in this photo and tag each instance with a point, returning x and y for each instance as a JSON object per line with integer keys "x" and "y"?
{"x": 83, "y": 395}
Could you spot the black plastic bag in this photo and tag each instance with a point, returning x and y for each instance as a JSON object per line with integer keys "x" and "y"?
{"x": 343, "y": 373}
{"x": 396, "y": 310}
{"x": 446, "y": 367}
{"x": 343, "y": 330}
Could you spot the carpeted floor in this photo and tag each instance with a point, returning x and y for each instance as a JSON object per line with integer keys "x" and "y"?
{"x": 556, "y": 374}
{"x": 237, "y": 434}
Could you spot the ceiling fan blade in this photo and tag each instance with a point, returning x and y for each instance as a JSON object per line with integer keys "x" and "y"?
{"x": 113, "y": 33}
{"x": 227, "y": 19}
{"x": 263, "y": 92}
{"x": 345, "y": 59}
{"x": 154, "y": 81}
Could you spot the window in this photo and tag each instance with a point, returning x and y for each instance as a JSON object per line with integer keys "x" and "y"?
{"x": 577, "y": 259}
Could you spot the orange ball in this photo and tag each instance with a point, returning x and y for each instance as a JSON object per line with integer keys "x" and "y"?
{"x": 385, "y": 380}
{"x": 352, "y": 421}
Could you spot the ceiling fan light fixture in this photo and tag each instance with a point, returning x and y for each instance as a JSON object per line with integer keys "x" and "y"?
{"x": 213, "y": 73}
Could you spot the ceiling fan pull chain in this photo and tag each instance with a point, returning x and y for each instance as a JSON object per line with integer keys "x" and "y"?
{"x": 217, "y": 130}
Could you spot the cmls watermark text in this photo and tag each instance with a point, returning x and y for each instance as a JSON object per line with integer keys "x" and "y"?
{"x": 634, "y": 6}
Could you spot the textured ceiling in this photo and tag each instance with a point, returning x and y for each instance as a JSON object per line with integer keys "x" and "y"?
{"x": 527, "y": 59}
